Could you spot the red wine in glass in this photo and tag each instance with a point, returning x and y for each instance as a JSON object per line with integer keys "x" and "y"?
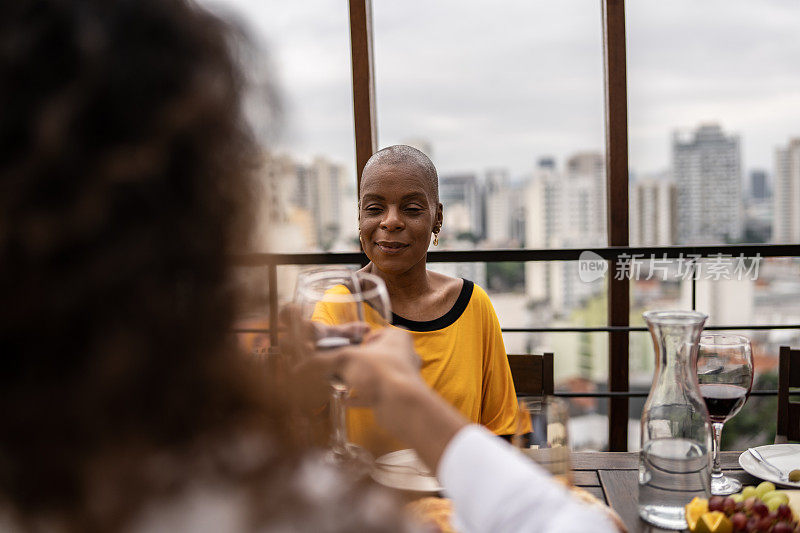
{"x": 725, "y": 375}
{"x": 723, "y": 400}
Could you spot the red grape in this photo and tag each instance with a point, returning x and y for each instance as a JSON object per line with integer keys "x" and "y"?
{"x": 728, "y": 506}
{"x": 752, "y": 525}
{"x": 759, "y": 508}
{"x": 749, "y": 503}
{"x": 784, "y": 512}
{"x": 782, "y": 527}
{"x": 739, "y": 521}
{"x": 715, "y": 503}
{"x": 764, "y": 523}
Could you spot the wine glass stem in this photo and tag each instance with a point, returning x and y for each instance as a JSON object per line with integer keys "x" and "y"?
{"x": 716, "y": 471}
{"x": 338, "y": 421}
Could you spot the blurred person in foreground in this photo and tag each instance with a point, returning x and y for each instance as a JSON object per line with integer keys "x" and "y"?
{"x": 125, "y": 170}
{"x": 451, "y": 320}
{"x": 125, "y": 179}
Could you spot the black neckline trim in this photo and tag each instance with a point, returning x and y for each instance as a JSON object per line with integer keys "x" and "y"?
{"x": 443, "y": 321}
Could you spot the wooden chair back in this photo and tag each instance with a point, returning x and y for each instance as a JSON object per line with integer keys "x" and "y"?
{"x": 532, "y": 373}
{"x": 788, "y": 409}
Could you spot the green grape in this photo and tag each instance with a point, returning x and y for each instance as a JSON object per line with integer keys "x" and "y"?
{"x": 748, "y": 492}
{"x": 773, "y": 504}
{"x": 738, "y": 498}
{"x": 767, "y": 495}
{"x": 778, "y": 495}
{"x": 763, "y": 488}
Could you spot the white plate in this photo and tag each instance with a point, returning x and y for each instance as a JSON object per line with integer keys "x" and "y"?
{"x": 404, "y": 470}
{"x": 783, "y": 456}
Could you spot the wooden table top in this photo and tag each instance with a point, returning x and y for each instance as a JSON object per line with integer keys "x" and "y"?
{"x": 613, "y": 478}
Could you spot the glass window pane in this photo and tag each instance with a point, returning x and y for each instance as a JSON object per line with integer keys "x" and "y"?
{"x": 766, "y": 292}
{"x": 507, "y": 100}
{"x": 714, "y": 103}
{"x": 308, "y": 189}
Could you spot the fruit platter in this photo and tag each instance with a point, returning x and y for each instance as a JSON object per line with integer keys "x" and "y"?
{"x": 761, "y": 509}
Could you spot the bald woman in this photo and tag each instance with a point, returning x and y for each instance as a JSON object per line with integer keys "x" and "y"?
{"x": 453, "y": 324}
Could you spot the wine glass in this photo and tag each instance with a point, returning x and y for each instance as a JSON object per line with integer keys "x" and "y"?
{"x": 337, "y": 307}
{"x": 725, "y": 376}
{"x": 541, "y": 433}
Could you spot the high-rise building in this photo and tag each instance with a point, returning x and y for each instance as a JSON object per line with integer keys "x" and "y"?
{"x": 278, "y": 186}
{"x": 582, "y": 211}
{"x": 517, "y": 194}
{"x": 546, "y": 162}
{"x": 586, "y": 163}
{"x": 706, "y": 166}
{"x": 759, "y": 212}
{"x": 538, "y": 226}
{"x": 463, "y": 209}
{"x": 759, "y": 188}
{"x": 564, "y": 210}
{"x": 786, "y": 193}
{"x": 726, "y": 301}
{"x": 652, "y": 212}
{"x": 302, "y": 196}
{"x": 499, "y": 212}
{"x": 283, "y": 220}
{"x": 326, "y": 186}
{"x": 578, "y": 205}
{"x": 304, "y": 207}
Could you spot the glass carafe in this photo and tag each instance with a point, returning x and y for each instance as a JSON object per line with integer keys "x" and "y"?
{"x": 675, "y": 460}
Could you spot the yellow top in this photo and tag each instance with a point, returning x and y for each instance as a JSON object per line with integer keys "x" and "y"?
{"x": 463, "y": 359}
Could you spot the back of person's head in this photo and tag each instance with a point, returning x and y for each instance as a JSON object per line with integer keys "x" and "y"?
{"x": 124, "y": 165}
{"x": 125, "y": 173}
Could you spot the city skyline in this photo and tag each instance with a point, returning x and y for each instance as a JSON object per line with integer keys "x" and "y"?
{"x": 490, "y": 210}
{"x": 488, "y": 97}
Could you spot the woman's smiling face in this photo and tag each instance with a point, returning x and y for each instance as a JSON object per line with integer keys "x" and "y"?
{"x": 398, "y": 211}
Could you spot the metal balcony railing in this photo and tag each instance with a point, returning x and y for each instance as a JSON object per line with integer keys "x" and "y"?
{"x": 272, "y": 261}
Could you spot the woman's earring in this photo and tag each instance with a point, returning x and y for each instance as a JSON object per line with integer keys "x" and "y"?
{"x": 436, "y": 238}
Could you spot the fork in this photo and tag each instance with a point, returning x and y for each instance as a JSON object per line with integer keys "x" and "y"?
{"x": 757, "y": 455}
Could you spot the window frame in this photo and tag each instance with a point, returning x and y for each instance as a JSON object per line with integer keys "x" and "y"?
{"x": 617, "y": 213}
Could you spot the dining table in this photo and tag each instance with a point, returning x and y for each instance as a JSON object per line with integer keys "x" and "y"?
{"x": 612, "y": 477}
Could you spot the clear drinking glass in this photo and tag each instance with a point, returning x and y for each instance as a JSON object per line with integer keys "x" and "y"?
{"x": 725, "y": 375}
{"x": 541, "y": 433}
{"x": 337, "y": 307}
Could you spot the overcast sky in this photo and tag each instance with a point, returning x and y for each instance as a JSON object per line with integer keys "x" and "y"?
{"x": 500, "y": 84}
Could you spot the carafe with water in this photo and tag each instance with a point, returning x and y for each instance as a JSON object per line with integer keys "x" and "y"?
{"x": 675, "y": 460}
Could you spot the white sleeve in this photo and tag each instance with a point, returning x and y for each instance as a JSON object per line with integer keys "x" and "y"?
{"x": 496, "y": 489}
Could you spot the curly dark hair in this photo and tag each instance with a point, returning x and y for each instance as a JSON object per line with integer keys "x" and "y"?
{"x": 125, "y": 171}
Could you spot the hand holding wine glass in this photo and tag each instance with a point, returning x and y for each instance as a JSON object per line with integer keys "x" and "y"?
{"x": 335, "y": 308}
{"x": 725, "y": 376}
